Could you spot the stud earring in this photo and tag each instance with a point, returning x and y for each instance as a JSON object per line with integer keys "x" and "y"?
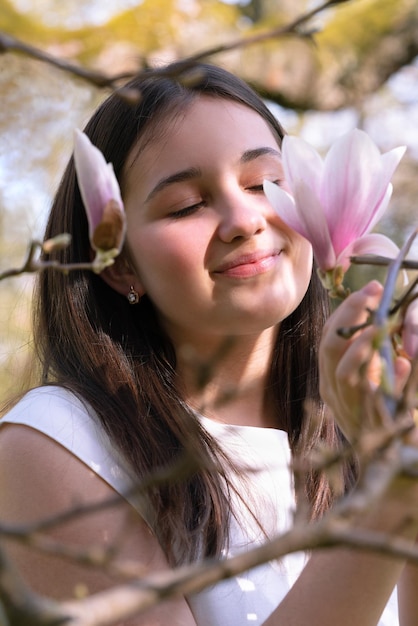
{"x": 133, "y": 296}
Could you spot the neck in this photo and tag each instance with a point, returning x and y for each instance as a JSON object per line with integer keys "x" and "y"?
{"x": 226, "y": 380}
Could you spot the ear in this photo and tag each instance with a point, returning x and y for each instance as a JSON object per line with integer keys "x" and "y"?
{"x": 121, "y": 277}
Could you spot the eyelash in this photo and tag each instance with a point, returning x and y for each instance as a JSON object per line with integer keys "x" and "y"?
{"x": 189, "y": 210}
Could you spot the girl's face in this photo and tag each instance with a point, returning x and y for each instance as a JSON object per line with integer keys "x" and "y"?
{"x": 205, "y": 244}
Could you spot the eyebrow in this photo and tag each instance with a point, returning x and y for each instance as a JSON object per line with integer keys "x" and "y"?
{"x": 250, "y": 155}
{"x": 194, "y": 172}
{"x": 177, "y": 177}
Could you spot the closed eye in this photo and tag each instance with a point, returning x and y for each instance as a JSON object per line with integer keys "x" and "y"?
{"x": 188, "y": 210}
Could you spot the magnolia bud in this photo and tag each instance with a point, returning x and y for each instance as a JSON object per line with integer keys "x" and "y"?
{"x": 102, "y": 199}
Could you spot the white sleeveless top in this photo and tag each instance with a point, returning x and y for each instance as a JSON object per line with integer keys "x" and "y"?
{"x": 245, "y": 599}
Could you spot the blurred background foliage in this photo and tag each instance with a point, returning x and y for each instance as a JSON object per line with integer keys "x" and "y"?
{"x": 352, "y": 65}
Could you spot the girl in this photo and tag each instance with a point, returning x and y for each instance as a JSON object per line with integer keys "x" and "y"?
{"x": 201, "y": 339}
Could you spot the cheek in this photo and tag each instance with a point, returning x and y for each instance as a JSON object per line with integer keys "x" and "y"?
{"x": 304, "y": 261}
{"x": 161, "y": 254}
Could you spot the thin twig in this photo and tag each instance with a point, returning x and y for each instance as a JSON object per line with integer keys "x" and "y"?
{"x": 281, "y": 31}
{"x": 33, "y": 264}
{"x": 382, "y": 261}
{"x": 139, "y": 595}
{"x": 8, "y": 43}
{"x": 380, "y": 320}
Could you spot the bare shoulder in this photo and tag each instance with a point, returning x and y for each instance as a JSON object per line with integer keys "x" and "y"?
{"x": 37, "y": 467}
{"x": 40, "y": 479}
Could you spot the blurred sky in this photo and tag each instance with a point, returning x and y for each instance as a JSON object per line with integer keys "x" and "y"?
{"x": 75, "y": 14}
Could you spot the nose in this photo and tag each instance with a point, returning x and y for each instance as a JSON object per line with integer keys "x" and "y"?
{"x": 242, "y": 216}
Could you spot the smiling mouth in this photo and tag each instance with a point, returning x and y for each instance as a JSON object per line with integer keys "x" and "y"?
{"x": 249, "y": 266}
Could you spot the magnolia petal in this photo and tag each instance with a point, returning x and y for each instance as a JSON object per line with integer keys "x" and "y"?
{"x": 374, "y": 243}
{"x": 382, "y": 191}
{"x": 96, "y": 180}
{"x": 92, "y": 174}
{"x": 390, "y": 161}
{"x": 289, "y": 212}
{"x": 114, "y": 185}
{"x": 351, "y": 186}
{"x": 381, "y": 208}
{"x": 284, "y": 205}
{"x": 301, "y": 162}
{"x": 313, "y": 226}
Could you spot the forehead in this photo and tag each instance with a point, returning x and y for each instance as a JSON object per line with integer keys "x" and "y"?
{"x": 207, "y": 128}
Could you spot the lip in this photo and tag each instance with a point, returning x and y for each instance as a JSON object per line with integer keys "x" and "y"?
{"x": 248, "y": 265}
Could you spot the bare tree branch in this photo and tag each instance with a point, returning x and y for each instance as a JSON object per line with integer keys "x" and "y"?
{"x": 9, "y": 43}
{"x": 385, "y": 459}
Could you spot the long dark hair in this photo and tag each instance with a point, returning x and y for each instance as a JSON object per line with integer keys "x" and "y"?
{"x": 118, "y": 359}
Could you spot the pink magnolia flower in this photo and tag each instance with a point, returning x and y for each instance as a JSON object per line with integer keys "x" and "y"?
{"x": 335, "y": 202}
{"x": 102, "y": 200}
